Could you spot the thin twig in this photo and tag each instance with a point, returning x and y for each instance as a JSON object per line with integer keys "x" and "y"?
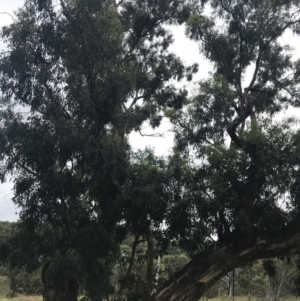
{"x": 6, "y": 13}
{"x": 151, "y": 135}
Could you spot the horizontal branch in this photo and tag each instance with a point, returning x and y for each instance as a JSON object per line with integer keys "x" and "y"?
{"x": 206, "y": 268}
{"x": 156, "y": 135}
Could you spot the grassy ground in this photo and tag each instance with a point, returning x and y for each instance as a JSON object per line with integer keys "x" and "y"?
{"x": 4, "y": 286}
{"x": 23, "y": 298}
{"x": 4, "y": 289}
{"x": 237, "y": 298}
{"x": 245, "y": 298}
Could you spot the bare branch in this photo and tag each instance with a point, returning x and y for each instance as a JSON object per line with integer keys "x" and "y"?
{"x": 226, "y": 8}
{"x": 64, "y": 9}
{"x": 6, "y": 13}
{"x": 257, "y": 65}
{"x": 138, "y": 98}
{"x": 151, "y": 135}
{"x": 27, "y": 169}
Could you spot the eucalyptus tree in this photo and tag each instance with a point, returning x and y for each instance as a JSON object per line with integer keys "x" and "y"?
{"x": 245, "y": 201}
{"x": 77, "y": 78}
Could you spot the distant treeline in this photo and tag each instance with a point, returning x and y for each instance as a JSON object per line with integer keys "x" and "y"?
{"x": 266, "y": 279}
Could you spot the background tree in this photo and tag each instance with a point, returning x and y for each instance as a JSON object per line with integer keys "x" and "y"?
{"x": 18, "y": 280}
{"x": 278, "y": 276}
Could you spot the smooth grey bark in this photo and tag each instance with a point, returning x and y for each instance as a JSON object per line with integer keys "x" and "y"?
{"x": 276, "y": 283}
{"x": 229, "y": 284}
{"x": 190, "y": 283}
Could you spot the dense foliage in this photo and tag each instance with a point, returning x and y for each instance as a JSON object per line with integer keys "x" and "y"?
{"x": 77, "y": 79}
{"x": 80, "y": 76}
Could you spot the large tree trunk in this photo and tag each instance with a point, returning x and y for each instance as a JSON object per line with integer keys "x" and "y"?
{"x": 190, "y": 283}
{"x": 71, "y": 292}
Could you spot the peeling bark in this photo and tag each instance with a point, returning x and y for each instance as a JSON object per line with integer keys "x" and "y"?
{"x": 190, "y": 283}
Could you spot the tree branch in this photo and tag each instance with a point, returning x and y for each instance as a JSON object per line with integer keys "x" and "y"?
{"x": 151, "y": 135}
{"x": 257, "y": 65}
{"x": 135, "y": 243}
{"x": 27, "y": 169}
{"x": 137, "y": 98}
{"x": 6, "y": 13}
{"x": 206, "y": 268}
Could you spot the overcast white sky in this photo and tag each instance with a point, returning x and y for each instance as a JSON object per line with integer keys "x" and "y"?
{"x": 186, "y": 49}
{"x": 7, "y": 208}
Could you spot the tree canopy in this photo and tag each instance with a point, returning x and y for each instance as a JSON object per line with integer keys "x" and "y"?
{"x": 80, "y": 76}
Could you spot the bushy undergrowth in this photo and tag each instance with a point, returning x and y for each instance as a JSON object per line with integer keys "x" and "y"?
{"x": 4, "y": 286}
